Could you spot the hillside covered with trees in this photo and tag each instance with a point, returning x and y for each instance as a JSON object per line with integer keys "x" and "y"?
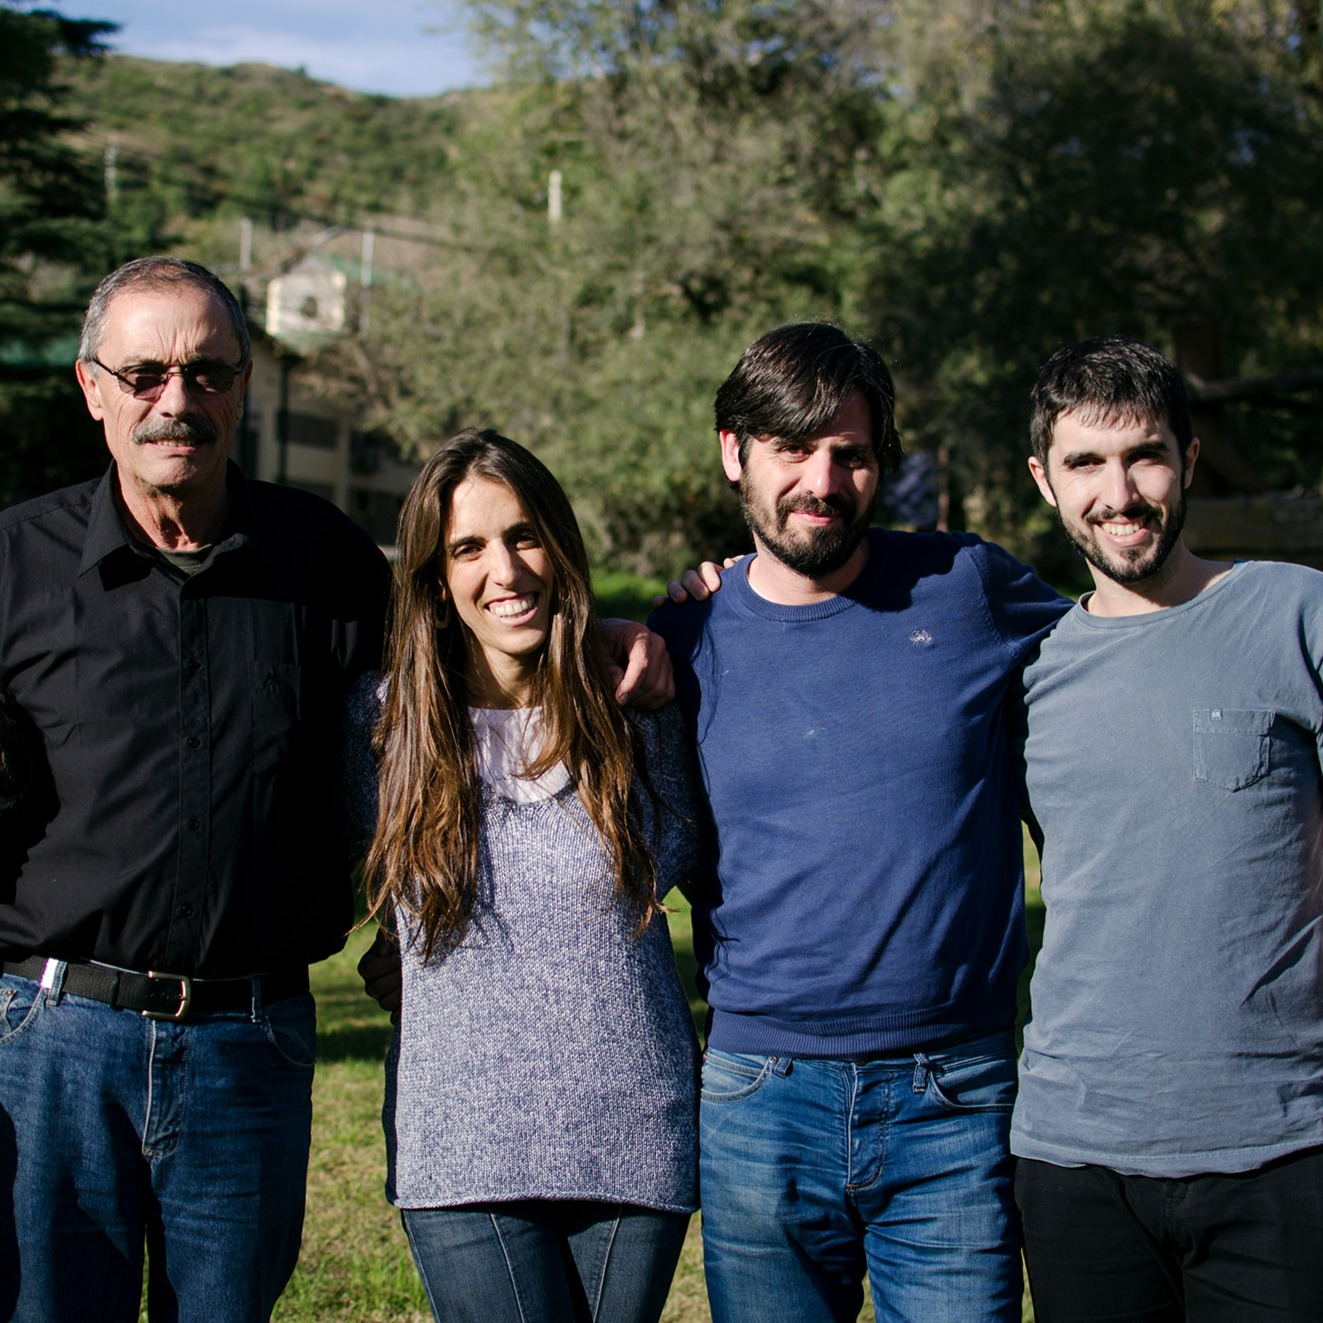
{"x": 578, "y": 254}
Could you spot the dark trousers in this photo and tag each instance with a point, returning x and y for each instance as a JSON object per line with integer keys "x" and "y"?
{"x": 1243, "y": 1248}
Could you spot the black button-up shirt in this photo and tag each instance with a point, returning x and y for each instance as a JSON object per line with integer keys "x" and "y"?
{"x": 184, "y": 813}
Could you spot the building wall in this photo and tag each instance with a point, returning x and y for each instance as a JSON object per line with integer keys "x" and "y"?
{"x": 324, "y": 449}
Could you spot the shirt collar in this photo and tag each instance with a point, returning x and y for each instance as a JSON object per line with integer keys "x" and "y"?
{"x": 108, "y": 537}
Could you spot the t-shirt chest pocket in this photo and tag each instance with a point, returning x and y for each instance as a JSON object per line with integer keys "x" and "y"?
{"x": 1232, "y": 747}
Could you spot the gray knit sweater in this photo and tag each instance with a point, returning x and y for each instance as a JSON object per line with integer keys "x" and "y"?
{"x": 551, "y": 1055}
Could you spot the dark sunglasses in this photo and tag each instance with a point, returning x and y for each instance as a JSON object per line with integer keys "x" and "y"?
{"x": 147, "y": 383}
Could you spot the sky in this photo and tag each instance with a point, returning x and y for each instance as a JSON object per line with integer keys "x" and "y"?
{"x": 398, "y": 47}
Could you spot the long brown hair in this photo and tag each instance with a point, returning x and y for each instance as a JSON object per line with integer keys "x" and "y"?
{"x": 424, "y": 855}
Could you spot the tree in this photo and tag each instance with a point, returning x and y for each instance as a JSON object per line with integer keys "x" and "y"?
{"x": 50, "y": 240}
{"x": 1111, "y": 167}
{"x": 700, "y": 202}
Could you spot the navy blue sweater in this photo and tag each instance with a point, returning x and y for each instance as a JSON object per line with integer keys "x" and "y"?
{"x": 858, "y": 759}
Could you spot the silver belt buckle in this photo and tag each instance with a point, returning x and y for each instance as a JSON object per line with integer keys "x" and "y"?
{"x": 185, "y": 996}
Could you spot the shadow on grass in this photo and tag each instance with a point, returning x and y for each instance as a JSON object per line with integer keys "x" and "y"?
{"x": 350, "y": 1026}
{"x": 354, "y": 1042}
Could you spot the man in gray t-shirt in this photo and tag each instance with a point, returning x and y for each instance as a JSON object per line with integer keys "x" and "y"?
{"x": 1170, "y": 1119}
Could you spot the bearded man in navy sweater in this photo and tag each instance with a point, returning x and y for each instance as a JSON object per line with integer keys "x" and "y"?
{"x": 851, "y": 693}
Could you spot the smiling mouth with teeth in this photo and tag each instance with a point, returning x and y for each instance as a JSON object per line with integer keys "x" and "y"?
{"x": 513, "y": 606}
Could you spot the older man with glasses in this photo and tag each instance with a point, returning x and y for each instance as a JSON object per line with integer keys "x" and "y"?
{"x": 178, "y": 640}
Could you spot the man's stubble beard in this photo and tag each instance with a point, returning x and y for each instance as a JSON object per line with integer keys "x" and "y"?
{"x": 1124, "y": 569}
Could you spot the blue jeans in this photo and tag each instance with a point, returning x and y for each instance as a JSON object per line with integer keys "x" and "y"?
{"x": 546, "y": 1261}
{"x": 812, "y": 1171}
{"x": 117, "y": 1131}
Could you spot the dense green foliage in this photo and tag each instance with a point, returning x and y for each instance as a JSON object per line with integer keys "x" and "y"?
{"x": 969, "y": 185}
{"x": 707, "y": 158}
{"x": 1117, "y": 168}
{"x": 194, "y": 142}
{"x": 50, "y": 237}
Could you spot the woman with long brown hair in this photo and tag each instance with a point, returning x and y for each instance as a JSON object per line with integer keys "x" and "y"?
{"x": 540, "y": 1111}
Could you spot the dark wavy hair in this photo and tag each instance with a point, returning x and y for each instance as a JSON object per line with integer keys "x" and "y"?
{"x": 792, "y": 382}
{"x": 1109, "y": 379}
{"x": 425, "y": 852}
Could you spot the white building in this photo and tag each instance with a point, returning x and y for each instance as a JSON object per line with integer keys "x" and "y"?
{"x": 291, "y": 433}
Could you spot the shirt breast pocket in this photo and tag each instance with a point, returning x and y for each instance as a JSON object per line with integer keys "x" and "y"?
{"x": 275, "y": 692}
{"x": 1232, "y": 746}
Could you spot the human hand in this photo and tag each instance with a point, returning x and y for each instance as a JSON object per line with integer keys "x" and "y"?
{"x": 638, "y": 665}
{"x": 699, "y": 584}
{"x": 383, "y": 979}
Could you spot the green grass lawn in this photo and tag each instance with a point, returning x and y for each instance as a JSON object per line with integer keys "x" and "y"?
{"x": 626, "y": 595}
{"x": 355, "y": 1266}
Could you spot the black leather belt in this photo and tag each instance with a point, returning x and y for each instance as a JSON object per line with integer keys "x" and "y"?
{"x": 161, "y": 996}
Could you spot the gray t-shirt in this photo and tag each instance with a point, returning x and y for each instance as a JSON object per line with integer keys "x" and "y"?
{"x": 1173, "y": 763}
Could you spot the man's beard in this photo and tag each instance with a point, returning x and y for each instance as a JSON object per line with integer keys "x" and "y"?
{"x": 1131, "y": 566}
{"x": 814, "y": 552}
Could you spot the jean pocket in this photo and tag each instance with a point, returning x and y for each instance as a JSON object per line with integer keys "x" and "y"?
{"x": 728, "y": 1077}
{"x": 1232, "y": 747}
{"x": 20, "y": 1006}
{"x": 984, "y": 1083}
{"x": 291, "y": 1028}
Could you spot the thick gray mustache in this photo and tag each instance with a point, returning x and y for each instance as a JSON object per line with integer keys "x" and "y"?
{"x": 178, "y": 430}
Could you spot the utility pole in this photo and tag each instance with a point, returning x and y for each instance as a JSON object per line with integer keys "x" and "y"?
{"x": 365, "y": 275}
{"x": 553, "y": 198}
{"x": 112, "y": 172}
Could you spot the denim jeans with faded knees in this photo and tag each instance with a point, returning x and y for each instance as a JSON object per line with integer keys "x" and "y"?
{"x": 546, "y": 1261}
{"x": 118, "y": 1131}
{"x": 814, "y": 1171}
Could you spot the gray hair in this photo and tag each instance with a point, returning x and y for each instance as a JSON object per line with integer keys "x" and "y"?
{"x": 156, "y": 273}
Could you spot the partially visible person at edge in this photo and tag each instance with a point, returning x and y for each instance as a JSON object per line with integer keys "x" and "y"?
{"x": 177, "y": 642}
{"x": 850, "y": 690}
{"x": 540, "y": 1112}
{"x": 1170, "y": 1120}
